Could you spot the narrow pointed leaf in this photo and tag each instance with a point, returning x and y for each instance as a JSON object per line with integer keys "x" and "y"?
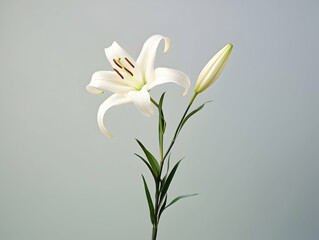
{"x": 161, "y": 122}
{"x": 162, "y": 207}
{"x": 148, "y": 165}
{"x": 169, "y": 180}
{"x": 149, "y": 201}
{"x": 180, "y": 197}
{"x": 161, "y": 99}
{"x": 192, "y": 113}
{"x": 164, "y": 124}
{"x": 151, "y": 159}
{"x": 161, "y": 114}
{"x": 164, "y": 178}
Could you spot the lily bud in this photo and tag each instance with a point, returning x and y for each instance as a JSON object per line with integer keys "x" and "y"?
{"x": 213, "y": 69}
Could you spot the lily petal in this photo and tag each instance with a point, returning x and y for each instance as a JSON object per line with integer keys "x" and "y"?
{"x": 113, "y": 100}
{"x": 107, "y": 80}
{"x": 116, "y": 52}
{"x": 142, "y": 101}
{"x": 166, "y": 75}
{"x": 146, "y": 58}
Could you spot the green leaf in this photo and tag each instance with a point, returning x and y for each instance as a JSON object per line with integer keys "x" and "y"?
{"x": 168, "y": 181}
{"x": 161, "y": 122}
{"x": 192, "y": 113}
{"x": 163, "y": 207}
{"x": 168, "y": 161}
{"x": 161, "y": 114}
{"x": 180, "y": 197}
{"x": 161, "y": 99}
{"x": 149, "y": 201}
{"x": 151, "y": 159}
{"x": 148, "y": 165}
{"x": 164, "y": 178}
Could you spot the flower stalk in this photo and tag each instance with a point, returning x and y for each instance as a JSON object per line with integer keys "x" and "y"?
{"x": 178, "y": 129}
{"x": 159, "y": 180}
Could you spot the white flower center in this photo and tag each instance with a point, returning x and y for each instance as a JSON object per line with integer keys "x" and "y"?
{"x": 131, "y": 81}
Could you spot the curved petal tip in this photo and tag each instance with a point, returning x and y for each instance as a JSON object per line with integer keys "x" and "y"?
{"x": 107, "y": 133}
{"x": 113, "y": 100}
{"x": 93, "y": 90}
{"x": 167, "y": 44}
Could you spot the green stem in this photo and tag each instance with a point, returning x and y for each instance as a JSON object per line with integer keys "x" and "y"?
{"x": 179, "y": 126}
{"x": 155, "y": 103}
{"x": 154, "y": 232}
{"x": 162, "y": 159}
{"x": 158, "y": 180}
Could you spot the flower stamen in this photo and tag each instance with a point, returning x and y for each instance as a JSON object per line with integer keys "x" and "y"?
{"x": 117, "y": 63}
{"x": 129, "y": 63}
{"x": 128, "y": 71}
{"x": 118, "y": 73}
{"x": 129, "y": 74}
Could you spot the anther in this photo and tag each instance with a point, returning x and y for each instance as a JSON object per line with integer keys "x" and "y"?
{"x": 128, "y": 71}
{"x": 116, "y": 63}
{"x": 130, "y": 63}
{"x": 118, "y": 73}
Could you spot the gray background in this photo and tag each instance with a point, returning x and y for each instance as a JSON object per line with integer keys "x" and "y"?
{"x": 252, "y": 154}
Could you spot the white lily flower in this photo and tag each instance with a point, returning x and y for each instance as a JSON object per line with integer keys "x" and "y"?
{"x": 132, "y": 80}
{"x": 213, "y": 69}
